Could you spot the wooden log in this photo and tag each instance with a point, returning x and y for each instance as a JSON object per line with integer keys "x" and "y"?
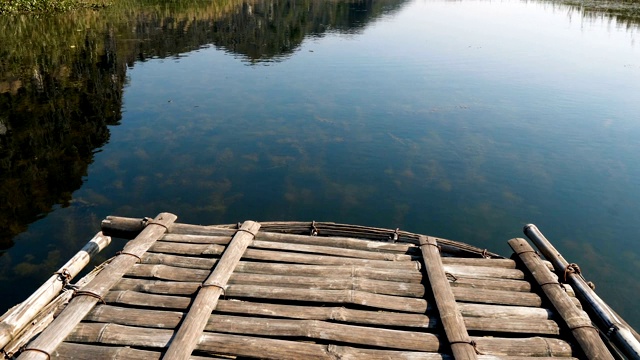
{"x": 329, "y": 250}
{"x": 170, "y": 319}
{"x": 197, "y": 239}
{"x": 93, "y": 352}
{"x": 484, "y": 272}
{"x": 455, "y": 280}
{"x": 327, "y": 229}
{"x": 340, "y": 242}
{"x": 265, "y": 348}
{"x": 408, "y": 275}
{"x": 499, "y": 297}
{"x": 226, "y": 344}
{"x": 81, "y": 305}
{"x": 281, "y": 256}
{"x": 328, "y": 282}
{"x": 327, "y": 331}
{"x": 477, "y": 317}
{"x": 19, "y": 316}
{"x": 505, "y": 312}
{"x": 135, "y": 298}
{"x": 187, "y": 336}
{"x": 450, "y": 316}
{"x": 615, "y": 328}
{"x": 488, "y": 283}
{"x": 534, "y": 346}
{"x": 494, "y": 263}
{"x": 379, "y": 301}
{"x": 579, "y": 323}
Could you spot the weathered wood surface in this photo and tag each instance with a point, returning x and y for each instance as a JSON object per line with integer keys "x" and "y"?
{"x": 615, "y": 328}
{"x": 279, "y": 256}
{"x": 94, "y": 352}
{"x": 170, "y": 319}
{"x": 450, "y": 316}
{"x": 100, "y": 285}
{"x": 19, "y": 316}
{"x": 187, "y": 335}
{"x": 116, "y": 223}
{"x": 407, "y": 275}
{"x": 327, "y": 279}
{"x": 243, "y": 345}
{"x": 479, "y": 317}
{"x": 577, "y": 320}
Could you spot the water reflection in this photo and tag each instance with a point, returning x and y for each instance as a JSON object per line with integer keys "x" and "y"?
{"x": 62, "y": 79}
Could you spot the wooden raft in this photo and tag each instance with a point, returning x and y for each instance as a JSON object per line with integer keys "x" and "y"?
{"x": 293, "y": 290}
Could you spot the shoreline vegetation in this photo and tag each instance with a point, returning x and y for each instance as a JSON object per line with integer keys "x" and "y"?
{"x": 13, "y": 7}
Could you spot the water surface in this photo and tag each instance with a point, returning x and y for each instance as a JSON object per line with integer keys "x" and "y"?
{"x": 464, "y": 120}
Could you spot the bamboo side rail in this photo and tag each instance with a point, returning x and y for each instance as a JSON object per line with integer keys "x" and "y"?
{"x": 621, "y": 334}
{"x": 452, "y": 321}
{"x": 187, "y": 335}
{"x": 43, "y": 346}
{"x": 19, "y": 316}
{"x": 578, "y": 322}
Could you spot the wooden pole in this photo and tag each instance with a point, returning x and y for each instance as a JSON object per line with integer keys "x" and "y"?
{"x": 578, "y": 322}
{"x": 190, "y": 330}
{"x": 452, "y": 320}
{"x": 16, "y": 318}
{"x": 612, "y": 325}
{"x": 42, "y": 347}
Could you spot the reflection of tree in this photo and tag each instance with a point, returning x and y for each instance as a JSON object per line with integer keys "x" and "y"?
{"x": 266, "y": 30}
{"x": 60, "y": 88}
{"x": 54, "y": 122}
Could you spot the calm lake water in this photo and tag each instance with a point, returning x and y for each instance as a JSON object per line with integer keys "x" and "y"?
{"x": 459, "y": 119}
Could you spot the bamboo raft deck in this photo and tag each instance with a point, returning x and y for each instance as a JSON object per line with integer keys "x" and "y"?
{"x": 310, "y": 290}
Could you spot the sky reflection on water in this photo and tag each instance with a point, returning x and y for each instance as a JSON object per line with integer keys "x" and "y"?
{"x": 464, "y": 120}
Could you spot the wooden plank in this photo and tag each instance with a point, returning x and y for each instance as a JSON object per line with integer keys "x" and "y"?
{"x": 226, "y": 344}
{"x": 186, "y": 337}
{"x": 265, "y": 348}
{"x": 19, "y": 316}
{"x": 483, "y": 272}
{"x": 280, "y": 256}
{"x": 100, "y": 285}
{"x": 503, "y": 319}
{"x": 170, "y": 319}
{"x": 450, "y": 316}
{"x": 409, "y": 275}
{"x": 340, "y": 242}
{"x": 134, "y": 298}
{"x": 587, "y": 336}
{"x": 378, "y": 301}
{"x": 505, "y": 312}
{"x": 329, "y": 250}
{"x": 93, "y": 352}
{"x": 328, "y": 282}
{"x": 116, "y": 223}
